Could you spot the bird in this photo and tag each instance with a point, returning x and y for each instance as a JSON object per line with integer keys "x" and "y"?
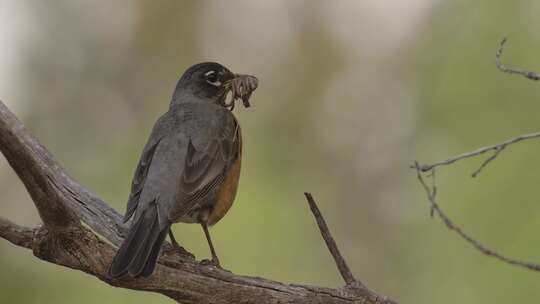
{"x": 189, "y": 168}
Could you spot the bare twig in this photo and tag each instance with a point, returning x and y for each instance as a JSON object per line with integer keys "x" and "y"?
{"x": 431, "y": 195}
{"x": 488, "y": 160}
{"x": 63, "y": 204}
{"x": 431, "y": 192}
{"x": 342, "y": 266}
{"x": 527, "y": 74}
{"x": 496, "y": 148}
{"x": 344, "y": 270}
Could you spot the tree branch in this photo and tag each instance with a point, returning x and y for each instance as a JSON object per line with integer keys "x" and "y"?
{"x": 527, "y": 74}
{"x": 17, "y": 235}
{"x": 35, "y": 168}
{"x": 58, "y": 198}
{"x": 431, "y": 192}
{"x": 498, "y": 148}
{"x": 342, "y": 266}
{"x": 63, "y": 204}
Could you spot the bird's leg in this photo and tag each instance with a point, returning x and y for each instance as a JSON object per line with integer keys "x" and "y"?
{"x": 173, "y": 240}
{"x": 177, "y": 246}
{"x": 215, "y": 259}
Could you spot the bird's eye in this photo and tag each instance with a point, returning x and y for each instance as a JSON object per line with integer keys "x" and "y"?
{"x": 212, "y": 78}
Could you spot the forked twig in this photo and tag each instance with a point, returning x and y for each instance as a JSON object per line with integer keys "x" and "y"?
{"x": 498, "y": 148}
{"x": 435, "y": 208}
{"x": 431, "y": 192}
{"x": 527, "y": 74}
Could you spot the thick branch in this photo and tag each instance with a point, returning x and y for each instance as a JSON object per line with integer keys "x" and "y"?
{"x": 62, "y": 204}
{"x": 48, "y": 184}
{"x": 17, "y": 235}
{"x": 35, "y": 168}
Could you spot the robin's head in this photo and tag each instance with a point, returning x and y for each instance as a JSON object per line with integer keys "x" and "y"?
{"x": 211, "y": 82}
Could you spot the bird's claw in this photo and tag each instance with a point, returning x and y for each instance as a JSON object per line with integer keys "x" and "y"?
{"x": 211, "y": 262}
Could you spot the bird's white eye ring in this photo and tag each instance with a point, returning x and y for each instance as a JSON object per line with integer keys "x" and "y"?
{"x": 212, "y": 78}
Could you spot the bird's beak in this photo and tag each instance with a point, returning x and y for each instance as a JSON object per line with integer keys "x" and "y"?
{"x": 242, "y": 86}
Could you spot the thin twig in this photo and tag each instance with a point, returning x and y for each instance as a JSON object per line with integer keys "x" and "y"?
{"x": 527, "y": 74}
{"x": 488, "y": 160}
{"x": 431, "y": 195}
{"x": 433, "y": 192}
{"x": 344, "y": 270}
{"x": 497, "y": 148}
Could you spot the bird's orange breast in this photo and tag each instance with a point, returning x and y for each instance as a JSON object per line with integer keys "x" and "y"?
{"x": 227, "y": 191}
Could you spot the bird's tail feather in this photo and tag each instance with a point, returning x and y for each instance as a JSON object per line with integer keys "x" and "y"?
{"x": 139, "y": 252}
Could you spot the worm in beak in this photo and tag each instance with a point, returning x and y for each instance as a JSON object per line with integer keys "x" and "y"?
{"x": 241, "y": 87}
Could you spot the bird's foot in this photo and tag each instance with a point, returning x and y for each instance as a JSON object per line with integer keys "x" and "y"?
{"x": 211, "y": 262}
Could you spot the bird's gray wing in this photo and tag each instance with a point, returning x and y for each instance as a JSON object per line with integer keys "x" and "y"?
{"x": 211, "y": 150}
{"x": 141, "y": 171}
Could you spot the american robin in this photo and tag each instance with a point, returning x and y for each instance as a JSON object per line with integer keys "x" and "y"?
{"x": 189, "y": 168}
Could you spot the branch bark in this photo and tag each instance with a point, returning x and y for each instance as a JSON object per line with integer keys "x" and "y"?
{"x": 64, "y": 206}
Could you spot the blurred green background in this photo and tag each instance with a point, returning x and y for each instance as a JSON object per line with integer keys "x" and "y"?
{"x": 351, "y": 93}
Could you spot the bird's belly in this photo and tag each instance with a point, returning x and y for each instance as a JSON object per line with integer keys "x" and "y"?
{"x": 226, "y": 194}
{"x": 189, "y": 218}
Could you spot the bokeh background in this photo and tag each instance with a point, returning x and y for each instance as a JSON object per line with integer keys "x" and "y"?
{"x": 351, "y": 93}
